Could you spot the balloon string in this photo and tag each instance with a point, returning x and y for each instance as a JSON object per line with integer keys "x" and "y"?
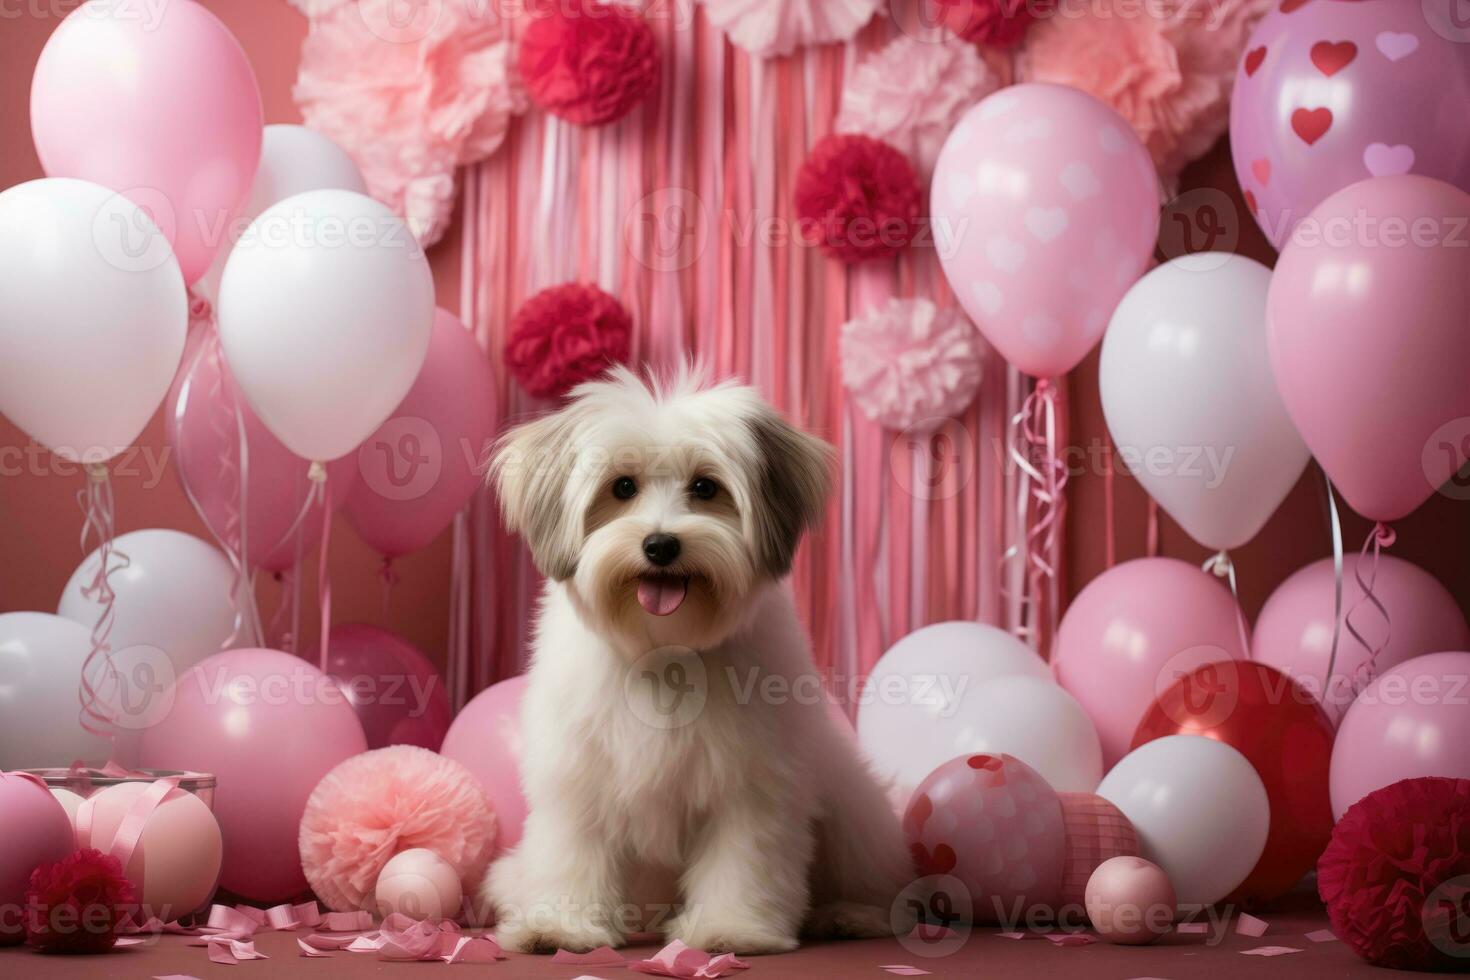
{"x": 99, "y": 523}
{"x": 234, "y": 551}
{"x": 322, "y": 490}
{"x": 1335, "y": 524}
{"x": 387, "y": 578}
{"x": 1152, "y": 545}
{"x": 1221, "y": 566}
{"x": 1033, "y": 450}
{"x": 280, "y": 628}
{"x": 1380, "y": 537}
{"x": 1110, "y": 551}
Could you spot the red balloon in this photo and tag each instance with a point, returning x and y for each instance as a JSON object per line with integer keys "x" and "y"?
{"x": 1276, "y": 724}
{"x": 398, "y": 694}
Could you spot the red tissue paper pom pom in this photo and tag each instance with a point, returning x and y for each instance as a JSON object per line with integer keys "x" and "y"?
{"x": 1396, "y": 875}
{"x": 587, "y": 62}
{"x": 857, "y": 198}
{"x": 996, "y": 23}
{"x": 565, "y": 335}
{"x": 76, "y": 904}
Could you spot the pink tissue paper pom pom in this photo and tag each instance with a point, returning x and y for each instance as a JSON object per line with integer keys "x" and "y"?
{"x": 410, "y": 99}
{"x": 1169, "y": 74}
{"x": 910, "y": 365}
{"x": 385, "y": 801}
{"x": 911, "y": 93}
{"x": 776, "y": 27}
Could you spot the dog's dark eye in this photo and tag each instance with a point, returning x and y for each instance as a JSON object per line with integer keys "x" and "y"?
{"x": 624, "y": 487}
{"x": 704, "y": 488}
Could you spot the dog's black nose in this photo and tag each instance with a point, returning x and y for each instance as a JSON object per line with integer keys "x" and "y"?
{"x": 661, "y": 549}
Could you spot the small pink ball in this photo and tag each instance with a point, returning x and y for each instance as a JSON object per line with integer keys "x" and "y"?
{"x": 1130, "y": 901}
{"x": 421, "y": 885}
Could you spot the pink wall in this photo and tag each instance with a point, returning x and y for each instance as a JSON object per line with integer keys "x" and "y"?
{"x": 41, "y": 522}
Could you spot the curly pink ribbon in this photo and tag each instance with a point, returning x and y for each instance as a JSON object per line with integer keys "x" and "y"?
{"x": 1380, "y": 537}
{"x": 99, "y": 513}
{"x": 1033, "y": 450}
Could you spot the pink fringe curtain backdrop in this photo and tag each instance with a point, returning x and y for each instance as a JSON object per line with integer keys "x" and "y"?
{"x": 684, "y": 211}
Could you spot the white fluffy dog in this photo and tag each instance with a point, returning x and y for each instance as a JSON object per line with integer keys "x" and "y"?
{"x": 664, "y": 516}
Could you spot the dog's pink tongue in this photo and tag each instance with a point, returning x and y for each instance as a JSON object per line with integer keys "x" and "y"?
{"x": 661, "y": 595}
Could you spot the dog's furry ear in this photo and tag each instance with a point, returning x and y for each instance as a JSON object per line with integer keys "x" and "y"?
{"x": 529, "y": 469}
{"x": 791, "y": 491}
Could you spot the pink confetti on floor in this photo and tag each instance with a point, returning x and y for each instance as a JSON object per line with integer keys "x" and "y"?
{"x": 1192, "y": 928}
{"x": 309, "y": 950}
{"x": 903, "y": 970}
{"x": 1322, "y": 936}
{"x": 1248, "y": 925}
{"x": 601, "y": 956}
{"x": 679, "y": 960}
{"x": 1071, "y": 938}
{"x": 1270, "y": 951}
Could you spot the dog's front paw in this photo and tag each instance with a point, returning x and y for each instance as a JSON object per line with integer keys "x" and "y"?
{"x": 548, "y": 937}
{"x": 743, "y": 938}
{"x": 849, "y": 920}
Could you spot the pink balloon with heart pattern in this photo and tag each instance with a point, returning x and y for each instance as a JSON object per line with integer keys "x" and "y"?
{"x": 1045, "y": 209}
{"x": 1331, "y": 92}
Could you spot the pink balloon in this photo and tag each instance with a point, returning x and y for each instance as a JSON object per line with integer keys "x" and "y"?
{"x": 397, "y": 693}
{"x": 423, "y": 464}
{"x": 1294, "y": 631}
{"x": 202, "y": 431}
{"x": 1328, "y": 94}
{"x": 1413, "y": 720}
{"x": 1367, "y": 328}
{"x": 1132, "y": 632}
{"x": 269, "y": 726}
{"x": 37, "y": 831}
{"x": 486, "y": 739}
{"x": 157, "y": 102}
{"x": 1045, "y": 209}
{"x": 993, "y": 823}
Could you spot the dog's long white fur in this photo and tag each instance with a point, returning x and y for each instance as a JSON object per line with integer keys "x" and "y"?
{"x": 663, "y": 742}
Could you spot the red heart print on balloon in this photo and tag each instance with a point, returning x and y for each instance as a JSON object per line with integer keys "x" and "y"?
{"x": 1287, "y": 6}
{"x": 1262, "y": 170}
{"x": 1253, "y": 60}
{"x": 1250, "y": 201}
{"x": 940, "y": 862}
{"x": 1311, "y": 124}
{"x": 1332, "y": 57}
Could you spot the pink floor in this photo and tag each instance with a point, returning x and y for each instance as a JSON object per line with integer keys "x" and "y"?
{"x": 984, "y": 954}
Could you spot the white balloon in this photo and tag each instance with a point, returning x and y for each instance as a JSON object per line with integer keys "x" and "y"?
{"x": 325, "y": 312}
{"x": 1039, "y": 723}
{"x": 173, "y": 596}
{"x": 41, "y": 658}
{"x": 92, "y": 316}
{"x": 910, "y": 711}
{"x": 1191, "y": 401}
{"x": 293, "y": 159}
{"x": 1200, "y": 811}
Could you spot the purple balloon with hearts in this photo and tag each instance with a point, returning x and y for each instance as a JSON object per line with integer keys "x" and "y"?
{"x": 1331, "y": 92}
